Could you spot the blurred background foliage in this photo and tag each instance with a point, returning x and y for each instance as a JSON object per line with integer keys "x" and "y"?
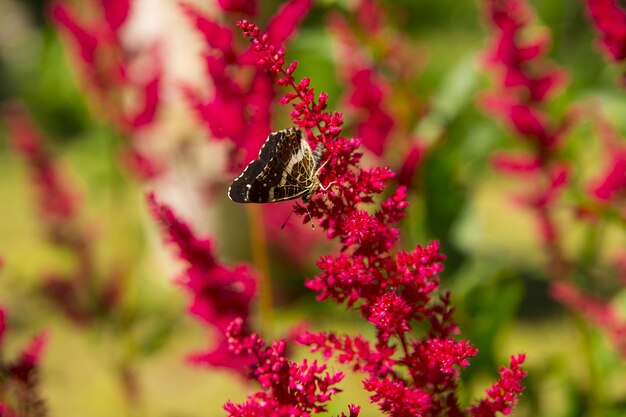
{"x": 495, "y": 264}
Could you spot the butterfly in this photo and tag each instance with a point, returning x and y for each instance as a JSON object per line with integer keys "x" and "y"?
{"x": 287, "y": 168}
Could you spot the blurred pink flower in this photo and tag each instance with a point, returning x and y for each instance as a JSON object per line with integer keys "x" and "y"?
{"x": 516, "y": 163}
{"x": 219, "y": 294}
{"x": 105, "y": 63}
{"x": 410, "y": 165}
{"x": 367, "y": 95}
{"x": 371, "y": 15}
{"x": 610, "y": 20}
{"x": 515, "y": 56}
{"x": 248, "y": 7}
{"x": 78, "y": 294}
{"x": 612, "y": 182}
{"x": 56, "y": 200}
{"x": 610, "y": 185}
{"x": 526, "y": 81}
{"x": 20, "y": 377}
{"x": 502, "y": 396}
{"x": 237, "y": 111}
{"x": 599, "y": 312}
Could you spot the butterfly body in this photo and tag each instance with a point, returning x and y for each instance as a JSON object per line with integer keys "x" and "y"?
{"x": 286, "y": 170}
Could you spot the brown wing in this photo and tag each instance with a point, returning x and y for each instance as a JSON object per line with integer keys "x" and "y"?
{"x": 283, "y": 171}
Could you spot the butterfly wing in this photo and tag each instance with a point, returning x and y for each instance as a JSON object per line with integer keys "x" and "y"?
{"x": 299, "y": 176}
{"x": 284, "y": 171}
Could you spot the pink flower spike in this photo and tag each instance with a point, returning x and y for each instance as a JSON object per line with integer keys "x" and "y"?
{"x": 411, "y": 163}
{"x": 57, "y": 201}
{"x": 612, "y": 181}
{"x": 289, "y": 388}
{"x": 280, "y": 28}
{"x": 371, "y": 15}
{"x": 239, "y": 6}
{"x": 390, "y": 314}
{"x": 354, "y": 411}
{"x": 216, "y": 36}
{"x": 515, "y": 163}
{"x": 151, "y": 96}
{"x": 219, "y": 294}
{"x": 396, "y": 399}
{"x": 32, "y": 353}
{"x": 503, "y": 395}
{"x": 115, "y": 12}
{"x": 85, "y": 41}
{"x": 610, "y": 20}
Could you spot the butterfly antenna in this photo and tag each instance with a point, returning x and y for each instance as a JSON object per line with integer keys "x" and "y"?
{"x": 287, "y": 219}
{"x": 291, "y": 212}
{"x": 310, "y": 217}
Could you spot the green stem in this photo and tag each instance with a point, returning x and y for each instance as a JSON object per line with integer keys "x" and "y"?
{"x": 595, "y": 388}
{"x": 260, "y": 258}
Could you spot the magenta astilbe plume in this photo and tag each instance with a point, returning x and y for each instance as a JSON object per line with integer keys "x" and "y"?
{"x": 78, "y": 294}
{"x": 609, "y": 18}
{"x": 239, "y": 6}
{"x": 368, "y": 91}
{"x": 57, "y": 202}
{"x": 503, "y": 393}
{"x": 515, "y": 56}
{"x": 289, "y": 388}
{"x": 19, "y": 378}
{"x": 609, "y": 186}
{"x": 219, "y": 294}
{"x": 108, "y": 70}
{"x": 238, "y": 111}
{"x": 526, "y": 82}
{"x": 601, "y": 313}
{"x": 406, "y": 374}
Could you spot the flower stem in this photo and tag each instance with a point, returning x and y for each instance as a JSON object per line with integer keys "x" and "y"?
{"x": 260, "y": 258}
{"x": 594, "y": 391}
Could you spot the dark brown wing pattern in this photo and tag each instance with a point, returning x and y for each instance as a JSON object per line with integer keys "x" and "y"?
{"x": 286, "y": 169}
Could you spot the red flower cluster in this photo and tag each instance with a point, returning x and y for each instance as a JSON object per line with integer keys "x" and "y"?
{"x": 57, "y": 202}
{"x": 107, "y": 67}
{"x": 375, "y": 64}
{"x": 19, "y": 378}
{"x": 238, "y": 111}
{"x": 367, "y": 95}
{"x": 391, "y": 291}
{"x": 610, "y": 20}
{"x": 598, "y": 312}
{"x": 514, "y": 56}
{"x": 502, "y": 393}
{"x": 77, "y": 294}
{"x": 526, "y": 81}
{"x": 367, "y": 90}
{"x": 609, "y": 187}
{"x": 220, "y": 295}
{"x": 239, "y": 6}
{"x": 290, "y": 388}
